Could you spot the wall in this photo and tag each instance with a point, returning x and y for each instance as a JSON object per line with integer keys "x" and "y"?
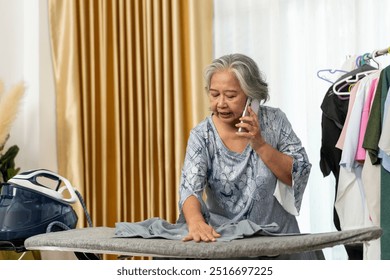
{"x": 25, "y": 56}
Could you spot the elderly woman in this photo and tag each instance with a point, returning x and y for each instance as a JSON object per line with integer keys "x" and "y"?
{"x": 257, "y": 174}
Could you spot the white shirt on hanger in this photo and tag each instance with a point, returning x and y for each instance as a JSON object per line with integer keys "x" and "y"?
{"x": 350, "y": 201}
{"x": 354, "y": 199}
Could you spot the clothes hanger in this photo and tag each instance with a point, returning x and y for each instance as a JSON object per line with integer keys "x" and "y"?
{"x": 324, "y": 73}
{"x": 373, "y": 55}
{"x": 345, "y": 83}
{"x": 342, "y": 86}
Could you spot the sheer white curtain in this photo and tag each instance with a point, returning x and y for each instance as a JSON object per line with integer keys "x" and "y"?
{"x": 291, "y": 41}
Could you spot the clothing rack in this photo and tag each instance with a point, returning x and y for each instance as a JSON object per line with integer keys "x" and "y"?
{"x": 360, "y": 60}
{"x": 382, "y": 52}
{"x": 367, "y": 56}
{"x": 353, "y": 77}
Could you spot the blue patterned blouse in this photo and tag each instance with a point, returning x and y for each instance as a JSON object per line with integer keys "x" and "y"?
{"x": 237, "y": 186}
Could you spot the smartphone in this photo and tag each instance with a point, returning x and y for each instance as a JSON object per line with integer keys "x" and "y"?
{"x": 254, "y": 103}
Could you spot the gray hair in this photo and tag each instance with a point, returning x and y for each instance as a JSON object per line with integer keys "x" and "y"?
{"x": 246, "y": 71}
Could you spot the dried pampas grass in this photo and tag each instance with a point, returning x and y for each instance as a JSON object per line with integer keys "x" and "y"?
{"x": 9, "y": 105}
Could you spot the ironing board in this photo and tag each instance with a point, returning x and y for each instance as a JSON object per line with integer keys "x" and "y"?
{"x": 102, "y": 240}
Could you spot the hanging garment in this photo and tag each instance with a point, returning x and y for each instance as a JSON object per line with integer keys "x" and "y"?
{"x": 351, "y": 193}
{"x": 361, "y": 152}
{"x": 371, "y": 184}
{"x": 374, "y": 124}
{"x": 370, "y": 178}
{"x": 370, "y": 143}
{"x": 341, "y": 139}
{"x": 361, "y": 180}
{"x": 384, "y": 141}
{"x": 350, "y": 200}
{"x": 334, "y": 112}
{"x": 385, "y": 175}
{"x": 385, "y": 214}
{"x": 359, "y": 91}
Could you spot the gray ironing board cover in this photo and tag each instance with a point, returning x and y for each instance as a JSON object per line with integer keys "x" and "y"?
{"x": 102, "y": 240}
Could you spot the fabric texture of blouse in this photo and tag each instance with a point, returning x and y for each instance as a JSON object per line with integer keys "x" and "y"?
{"x": 237, "y": 186}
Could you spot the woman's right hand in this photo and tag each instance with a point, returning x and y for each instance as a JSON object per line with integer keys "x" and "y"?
{"x": 198, "y": 229}
{"x": 201, "y": 231}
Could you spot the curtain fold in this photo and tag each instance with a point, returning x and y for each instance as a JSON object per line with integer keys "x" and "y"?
{"x": 129, "y": 88}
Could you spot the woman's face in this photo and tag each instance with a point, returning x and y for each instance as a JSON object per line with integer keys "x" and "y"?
{"x": 227, "y": 100}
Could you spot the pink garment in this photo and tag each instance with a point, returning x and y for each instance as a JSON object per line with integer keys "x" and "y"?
{"x": 361, "y": 152}
{"x": 352, "y": 96}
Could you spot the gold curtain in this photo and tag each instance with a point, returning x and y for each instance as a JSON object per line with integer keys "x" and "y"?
{"x": 129, "y": 87}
